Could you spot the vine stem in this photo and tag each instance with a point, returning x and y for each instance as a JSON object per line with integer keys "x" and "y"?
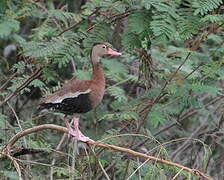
{"x": 14, "y": 139}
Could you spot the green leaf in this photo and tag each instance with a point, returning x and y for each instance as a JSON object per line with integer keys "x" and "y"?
{"x": 83, "y": 74}
{"x": 118, "y": 93}
{"x": 204, "y": 6}
{"x": 138, "y": 29}
{"x": 8, "y": 27}
{"x": 114, "y": 66}
{"x": 37, "y": 83}
{"x": 156, "y": 116}
{"x": 214, "y": 18}
{"x": 120, "y": 116}
{"x": 10, "y": 174}
{"x": 200, "y": 88}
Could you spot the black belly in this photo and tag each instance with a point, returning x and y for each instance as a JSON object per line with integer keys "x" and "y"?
{"x": 80, "y": 104}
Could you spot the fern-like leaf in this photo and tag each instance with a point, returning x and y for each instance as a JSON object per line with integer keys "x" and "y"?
{"x": 8, "y": 27}
{"x": 118, "y": 93}
{"x": 204, "y": 6}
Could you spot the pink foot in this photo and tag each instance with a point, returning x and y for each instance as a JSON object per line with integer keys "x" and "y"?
{"x": 76, "y": 133}
{"x": 79, "y": 136}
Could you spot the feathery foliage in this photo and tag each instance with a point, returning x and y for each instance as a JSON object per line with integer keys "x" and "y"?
{"x": 163, "y": 96}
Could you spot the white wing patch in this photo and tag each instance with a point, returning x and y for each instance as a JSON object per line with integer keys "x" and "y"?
{"x": 68, "y": 95}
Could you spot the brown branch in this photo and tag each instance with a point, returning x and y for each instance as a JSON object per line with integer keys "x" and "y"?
{"x": 8, "y": 80}
{"x": 186, "y": 115}
{"x": 16, "y": 165}
{"x": 78, "y": 23}
{"x": 35, "y": 75}
{"x": 14, "y": 139}
{"x": 114, "y": 18}
{"x": 19, "y": 151}
{"x": 122, "y": 16}
{"x": 162, "y": 91}
{"x": 171, "y": 78}
{"x": 70, "y": 27}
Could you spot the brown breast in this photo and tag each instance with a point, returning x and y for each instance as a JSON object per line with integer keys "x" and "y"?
{"x": 97, "y": 92}
{"x": 97, "y": 86}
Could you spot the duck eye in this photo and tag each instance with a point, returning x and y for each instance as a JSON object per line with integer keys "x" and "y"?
{"x": 104, "y": 47}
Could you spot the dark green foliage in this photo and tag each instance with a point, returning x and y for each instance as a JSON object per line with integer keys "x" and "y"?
{"x": 204, "y": 6}
{"x": 138, "y": 29}
{"x": 166, "y": 91}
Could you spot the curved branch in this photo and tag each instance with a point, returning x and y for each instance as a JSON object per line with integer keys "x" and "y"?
{"x": 15, "y": 138}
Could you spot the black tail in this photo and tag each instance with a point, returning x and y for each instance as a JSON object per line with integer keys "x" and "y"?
{"x": 41, "y": 109}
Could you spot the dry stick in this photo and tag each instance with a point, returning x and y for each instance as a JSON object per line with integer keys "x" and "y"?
{"x": 24, "y": 85}
{"x": 76, "y": 24}
{"x": 8, "y": 80}
{"x": 161, "y": 95}
{"x": 15, "y": 138}
{"x": 118, "y": 18}
{"x": 171, "y": 78}
{"x": 106, "y": 169}
{"x": 21, "y": 129}
{"x": 16, "y": 165}
{"x": 114, "y": 18}
{"x": 70, "y": 27}
{"x": 18, "y": 122}
{"x": 186, "y": 115}
{"x": 75, "y": 152}
{"x": 3, "y": 75}
{"x": 54, "y": 159}
{"x": 178, "y": 150}
{"x": 126, "y": 168}
{"x": 138, "y": 168}
{"x": 121, "y": 16}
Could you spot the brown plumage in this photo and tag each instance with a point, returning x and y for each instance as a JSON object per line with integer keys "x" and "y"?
{"x": 80, "y": 96}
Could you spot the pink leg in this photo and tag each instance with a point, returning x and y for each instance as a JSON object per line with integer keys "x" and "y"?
{"x": 76, "y": 132}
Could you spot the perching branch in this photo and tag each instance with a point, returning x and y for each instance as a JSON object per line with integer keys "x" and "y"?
{"x": 14, "y": 139}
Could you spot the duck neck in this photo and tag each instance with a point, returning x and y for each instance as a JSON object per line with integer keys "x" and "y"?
{"x": 97, "y": 74}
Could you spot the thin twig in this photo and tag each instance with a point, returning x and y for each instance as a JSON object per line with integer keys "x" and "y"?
{"x": 54, "y": 159}
{"x": 189, "y": 113}
{"x": 171, "y": 78}
{"x": 104, "y": 171}
{"x": 70, "y": 27}
{"x": 177, "y": 174}
{"x": 78, "y": 23}
{"x": 17, "y": 119}
{"x": 138, "y": 168}
{"x": 75, "y": 152}
{"x": 181, "y": 148}
{"x": 16, "y": 165}
{"x": 162, "y": 93}
{"x": 35, "y": 75}
{"x": 8, "y": 80}
{"x": 15, "y": 138}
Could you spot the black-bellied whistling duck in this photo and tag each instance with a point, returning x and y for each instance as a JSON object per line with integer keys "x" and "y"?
{"x": 80, "y": 96}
